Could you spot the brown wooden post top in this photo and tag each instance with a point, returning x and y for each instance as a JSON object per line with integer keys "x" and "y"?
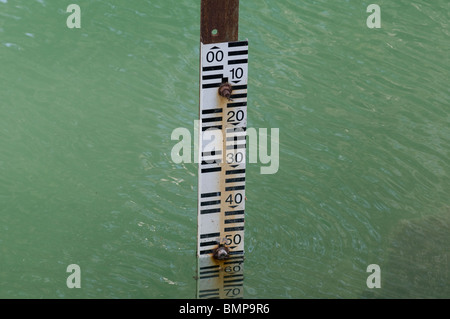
{"x": 219, "y": 21}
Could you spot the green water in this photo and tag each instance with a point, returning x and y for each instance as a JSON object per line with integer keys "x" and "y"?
{"x": 86, "y": 176}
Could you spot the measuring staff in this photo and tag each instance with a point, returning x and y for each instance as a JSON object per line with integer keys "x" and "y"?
{"x": 222, "y": 154}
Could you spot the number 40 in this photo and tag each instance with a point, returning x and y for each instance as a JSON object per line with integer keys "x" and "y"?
{"x": 237, "y": 199}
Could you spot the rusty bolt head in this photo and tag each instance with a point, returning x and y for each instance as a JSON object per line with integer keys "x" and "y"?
{"x": 221, "y": 253}
{"x": 225, "y": 90}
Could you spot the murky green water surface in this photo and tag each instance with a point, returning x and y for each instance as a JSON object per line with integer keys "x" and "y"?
{"x": 86, "y": 175}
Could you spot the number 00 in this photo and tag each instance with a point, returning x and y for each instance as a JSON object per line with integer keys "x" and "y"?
{"x": 211, "y": 56}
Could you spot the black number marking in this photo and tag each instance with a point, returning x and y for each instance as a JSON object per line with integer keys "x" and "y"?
{"x": 239, "y": 115}
{"x": 235, "y": 158}
{"x": 237, "y": 73}
{"x": 237, "y": 199}
{"x": 235, "y": 240}
{"x": 211, "y": 56}
{"x": 232, "y": 292}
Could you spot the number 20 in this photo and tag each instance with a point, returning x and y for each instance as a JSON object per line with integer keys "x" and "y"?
{"x": 239, "y": 116}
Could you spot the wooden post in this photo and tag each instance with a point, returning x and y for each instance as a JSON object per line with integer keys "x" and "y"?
{"x": 219, "y": 21}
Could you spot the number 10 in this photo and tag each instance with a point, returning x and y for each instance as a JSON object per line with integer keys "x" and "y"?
{"x": 237, "y": 73}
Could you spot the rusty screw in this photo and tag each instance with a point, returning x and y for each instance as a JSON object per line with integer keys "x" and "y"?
{"x": 225, "y": 90}
{"x": 221, "y": 253}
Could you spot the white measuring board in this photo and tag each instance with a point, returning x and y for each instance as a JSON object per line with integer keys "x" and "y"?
{"x": 221, "y": 172}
